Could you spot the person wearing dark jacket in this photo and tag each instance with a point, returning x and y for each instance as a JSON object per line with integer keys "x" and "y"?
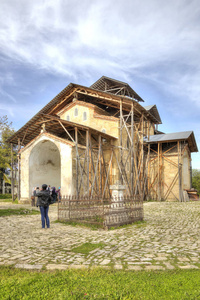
{"x": 54, "y": 194}
{"x": 43, "y": 202}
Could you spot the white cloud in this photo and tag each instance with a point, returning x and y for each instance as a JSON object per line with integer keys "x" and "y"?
{"x": 70, "y": 37}
{"x": 55, "y": 35}
{"x": 155, "y": 41}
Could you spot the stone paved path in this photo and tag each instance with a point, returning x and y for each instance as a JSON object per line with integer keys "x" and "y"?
{"x": 169, "y": 238}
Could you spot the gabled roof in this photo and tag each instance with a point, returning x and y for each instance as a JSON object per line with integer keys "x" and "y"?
{"x": 115, "y": 87}
{"x": 30, "y": 130}
{"x": 172, "y": 137}
{"x": 154, "y": 111}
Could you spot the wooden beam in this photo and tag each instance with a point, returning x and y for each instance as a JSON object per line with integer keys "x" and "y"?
{"x": 12, "y": 175}
{"x": 132, "y": 145}
{"x": 77, "y": 158}
{"x": 88, "y": 162}
{"x": 159, "y": 191}
{"x": 19, "y": 171}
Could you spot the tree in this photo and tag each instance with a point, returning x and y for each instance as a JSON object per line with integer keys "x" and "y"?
{"x": 196, "y": 180}
{"x": 6, "y": 131}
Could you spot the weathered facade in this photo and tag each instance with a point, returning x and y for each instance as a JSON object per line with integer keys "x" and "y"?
{"x": 88, "y": 140}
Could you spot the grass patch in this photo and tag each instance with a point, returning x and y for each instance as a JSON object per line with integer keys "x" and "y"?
{"x": 6, "y": 196}
{"x": 87, "y": 247}
{"x": 99, "y": 284}
{"x": 9, "y": 200}
{"x": 19, "y": 211}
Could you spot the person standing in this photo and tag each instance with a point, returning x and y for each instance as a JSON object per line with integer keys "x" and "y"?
{"x": 43, "y": 202}
{"x": 49, "y": 188}
{"x": 54, "y": 194}
{"x": 33, "y": 197}
{"x": 59, "y": 194}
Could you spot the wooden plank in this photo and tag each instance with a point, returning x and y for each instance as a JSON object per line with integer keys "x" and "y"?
{"x": 100, "y": 164}
{"x": 77, "y": 158}
{"x": 120, "y": 139}
{"x": 132, "y": 145}
{"x": 88, "y": 163}
{"x": 12, "y": 173}
{"x": 19, "y": 171}
{"x": 108, "y": 171}
{"x": 180, "y": 172}
{"x": 159, "y": 192}
{"x": 67, "y": 132}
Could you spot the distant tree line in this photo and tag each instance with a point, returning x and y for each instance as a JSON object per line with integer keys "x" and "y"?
{"x": 6, "y": 130}
{"x": 196, "y": 180}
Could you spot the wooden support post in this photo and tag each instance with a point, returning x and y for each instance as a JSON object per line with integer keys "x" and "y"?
{"x": 12, "y": 175}
{"x": 19, "y": 171}
{"x": 132, "y": 145}
{"x": 148, "y": 172}
{"x": 179, "y": 172}
{"x": 90, "y": 159}
{"x": 77, "y": 158}
{"x": 66, "y": 131}
{"x": 142, "y": 156}
{"x": 88, "y": 162}
{"x": 120, "y": 141}
{"x": 100, "y": 164}
{"x": 107, "y": 175}
{"x": 159, "y": 192}
{"x": 148, "y": 130}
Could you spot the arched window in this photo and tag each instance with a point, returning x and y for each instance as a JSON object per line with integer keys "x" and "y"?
{"x": 76, "y": 112}
{"x": 68, "y": 118}
{"x": 84, "y": 116}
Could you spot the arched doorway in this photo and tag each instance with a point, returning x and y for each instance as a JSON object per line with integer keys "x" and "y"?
{"x": 44, "y": 165}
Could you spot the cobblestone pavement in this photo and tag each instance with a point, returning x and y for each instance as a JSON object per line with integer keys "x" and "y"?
{"x": 169, "y": 238}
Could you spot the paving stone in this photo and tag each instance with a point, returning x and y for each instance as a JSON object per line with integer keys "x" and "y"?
{"x": 78, "y": 266}
{"x": 169, "y": 234}
{"x": 135, "y": 268}
{"x": 153, "y": 267}
{"x": 183, "y": 259}
{"x": 168, "y": 266}
{"x": 118, "y": 267}
{"x": 56, "y": 267}
{"x": 105, "y": 262}
{"x": 188, "y": 267}
{"x": 161, "y": 258}
{"x": 29, "y": 267}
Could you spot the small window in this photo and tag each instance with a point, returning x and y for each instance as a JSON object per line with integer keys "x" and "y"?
{"x": 76, "y": 112}
{"x": 68, "y": 118}
{"x": 84, "y": 116}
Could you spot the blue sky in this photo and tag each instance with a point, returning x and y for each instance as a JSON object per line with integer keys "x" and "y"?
{"x": 152, "y": 45}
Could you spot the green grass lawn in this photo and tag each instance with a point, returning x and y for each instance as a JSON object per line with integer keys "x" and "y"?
{"x": 99, "y": 284}
{"x": 18, "y": 211}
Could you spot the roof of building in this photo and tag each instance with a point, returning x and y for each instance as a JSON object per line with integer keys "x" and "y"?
{"x": 172, "y": 137}
{"x": 154, "y": 111}
{"x": 116, "y": 87}
{"x": 32, "y": 128}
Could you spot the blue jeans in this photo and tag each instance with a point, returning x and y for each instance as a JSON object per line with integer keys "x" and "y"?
{"x": 44, "y": 216}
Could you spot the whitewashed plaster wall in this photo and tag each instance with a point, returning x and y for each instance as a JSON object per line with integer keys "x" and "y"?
{"x": 46, "y": 160}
